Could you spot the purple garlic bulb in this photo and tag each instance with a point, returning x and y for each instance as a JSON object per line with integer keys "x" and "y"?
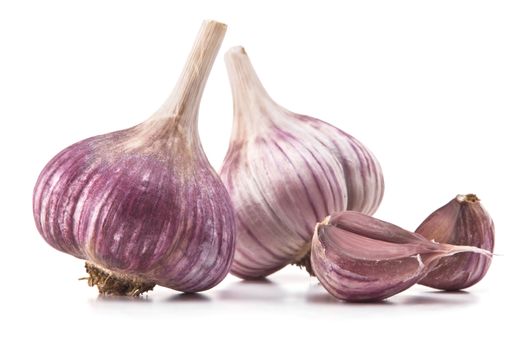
{"x": 359, "y": 258}
{"x": 461, "y": 221}
{"x": 285, "y": 172}
{"x": 142, "y": 205}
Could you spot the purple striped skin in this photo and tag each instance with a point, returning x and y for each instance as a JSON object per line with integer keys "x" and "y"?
{"x": 363, "y": 175}
{"x": 358, "y": 258}
{"x": 275, "y": 214}
{"x": 462, "y": 221}
{"x": 286, "y": 172}
{"x": 144, "y": 204}
{"x": 145, "y": 210}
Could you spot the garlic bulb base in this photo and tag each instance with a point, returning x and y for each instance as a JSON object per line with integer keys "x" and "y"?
{"x": 305, "y": 263}
{"x": 111, "y": 283}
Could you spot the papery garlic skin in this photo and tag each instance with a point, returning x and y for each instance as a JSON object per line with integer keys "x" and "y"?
{"x": 462, "y": 221}
{"x": 144, "y": 204}
{"x": 285, "y": 172}
{"x": 359, "y": 258}
{"x": 362, "y": 171}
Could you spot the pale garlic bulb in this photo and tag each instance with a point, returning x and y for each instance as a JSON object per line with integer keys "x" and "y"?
{"x": 285, "y": 172}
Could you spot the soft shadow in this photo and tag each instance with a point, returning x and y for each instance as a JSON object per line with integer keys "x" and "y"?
{"x": 102, "y": 298}
{"x": 253, "y": 290}
{"x": 188, "y": 298}
{"x": 430, "y": 298}
{"x": 330, "y": 300}
{"x": 257, "y": 281}
{"x": 318, "y": 295}
{"x": 298, "y": 275}
{"x": 441, "y": 298}
{"x": 450, "y": 292}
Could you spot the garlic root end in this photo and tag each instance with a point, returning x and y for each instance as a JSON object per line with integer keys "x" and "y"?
{"x": 110, "y": 283}
{"x": 306, "y": 263}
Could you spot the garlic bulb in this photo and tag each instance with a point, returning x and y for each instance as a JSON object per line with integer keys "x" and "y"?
{"x": 142, "y": 205}
{"x": 359, "y": 258}
{"x": 461, "y": 221}
{"x": 284, "y": 173}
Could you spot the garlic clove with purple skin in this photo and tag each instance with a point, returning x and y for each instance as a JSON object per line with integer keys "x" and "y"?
{"x": 143, "y": 206}
{"x": 285, "y": 172}
{"x": 462, "y": 221}
{"x": 359, "y": 258}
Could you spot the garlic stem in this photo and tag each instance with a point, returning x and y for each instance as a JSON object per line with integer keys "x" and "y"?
{"x": 251, "y": 103}
{"x": 183, "y": 103}
{"x": 243, "y": 75}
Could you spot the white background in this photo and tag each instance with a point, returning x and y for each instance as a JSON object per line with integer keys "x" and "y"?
{"x": 435, "y": 89}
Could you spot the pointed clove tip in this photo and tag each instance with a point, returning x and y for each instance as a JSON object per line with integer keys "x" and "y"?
{"x": 470, "y": 198}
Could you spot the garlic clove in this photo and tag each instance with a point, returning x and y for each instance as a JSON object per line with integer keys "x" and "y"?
{"x": 359, "y": 258}
{"x": 284, "y": 173}
{"x": 143, "y": 206}
{"x": 462, "y": 221}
